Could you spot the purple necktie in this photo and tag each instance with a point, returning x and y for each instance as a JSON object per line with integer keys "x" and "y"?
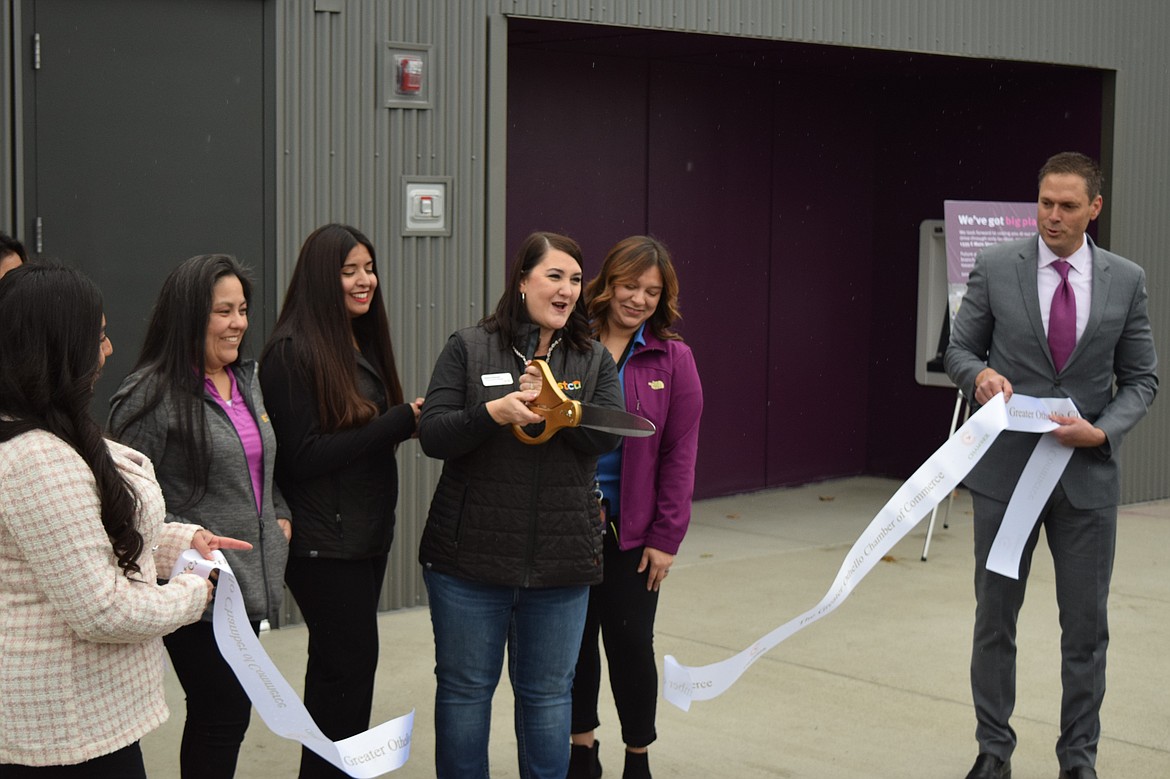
{"x": 1062, "y": 318}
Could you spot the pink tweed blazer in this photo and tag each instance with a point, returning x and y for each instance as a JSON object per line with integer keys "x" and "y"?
{"x": 81, "y": 653}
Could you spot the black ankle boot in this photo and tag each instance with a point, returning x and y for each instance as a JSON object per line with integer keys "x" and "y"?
{"x": 584, "y": 762}
{"x": 637, "y": 765}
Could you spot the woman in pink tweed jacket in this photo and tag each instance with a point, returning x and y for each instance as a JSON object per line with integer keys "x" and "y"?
{"x": 82, "y": 543}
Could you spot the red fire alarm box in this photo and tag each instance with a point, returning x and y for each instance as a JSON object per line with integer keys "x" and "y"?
{"x": 410, "y": 75}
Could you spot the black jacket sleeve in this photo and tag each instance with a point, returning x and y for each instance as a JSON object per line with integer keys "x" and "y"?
{"x": 448, "y": 427}
{"x": 304, "y": 450}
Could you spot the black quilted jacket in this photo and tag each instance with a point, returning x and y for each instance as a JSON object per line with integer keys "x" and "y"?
{"x": 508, "y": 513}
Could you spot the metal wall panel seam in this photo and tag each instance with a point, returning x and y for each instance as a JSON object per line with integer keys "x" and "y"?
{"x": 365, "y": 96}
{"x": 310, "y": 93}
{"x": 401, "y": 565}
{"x": 323, "y": 91}
{"x": 335, "y": 68}
{"x": 7, "y": 102}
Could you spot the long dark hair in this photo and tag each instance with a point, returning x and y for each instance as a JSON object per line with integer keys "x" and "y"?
{"x": 314, "y": 317}
{"x": 51, "y": 320}
{"x": 173, "y": 357}
{"x": 627, "y": 261}
{"x": 511, "y": 312}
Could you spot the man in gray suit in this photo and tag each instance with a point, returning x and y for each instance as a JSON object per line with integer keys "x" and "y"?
{"x": 1017, "y": 297}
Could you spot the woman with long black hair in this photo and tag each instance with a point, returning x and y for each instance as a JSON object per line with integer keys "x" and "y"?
{"x": 332, "y": 389}
{"x": 82, "y": 544}
{"x": 193, "y": 406}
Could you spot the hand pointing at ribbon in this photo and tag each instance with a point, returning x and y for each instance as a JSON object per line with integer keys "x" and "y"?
{"x": 205, "y": 542}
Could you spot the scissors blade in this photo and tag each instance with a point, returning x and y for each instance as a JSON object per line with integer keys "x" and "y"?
{"x": 610, "y": 420}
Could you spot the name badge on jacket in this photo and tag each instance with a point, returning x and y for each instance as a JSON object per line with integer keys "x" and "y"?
{"x": 496, "y": 379}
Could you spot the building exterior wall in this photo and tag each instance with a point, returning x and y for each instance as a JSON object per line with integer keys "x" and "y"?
{"x": 1080, "y": 33}
{"x": 340, "y": 155}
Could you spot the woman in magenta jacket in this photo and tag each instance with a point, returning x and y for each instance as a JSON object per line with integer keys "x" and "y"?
{"x": 646, "y": 487}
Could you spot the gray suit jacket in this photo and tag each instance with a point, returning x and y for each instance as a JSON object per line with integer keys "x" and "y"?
{"x": 999, "y": 325}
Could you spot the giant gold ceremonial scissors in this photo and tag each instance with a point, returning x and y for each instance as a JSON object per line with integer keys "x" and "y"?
{"x": 559, "y": 412}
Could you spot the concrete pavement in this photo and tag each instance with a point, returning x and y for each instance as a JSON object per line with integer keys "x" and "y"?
{"x": 876, "y": 689}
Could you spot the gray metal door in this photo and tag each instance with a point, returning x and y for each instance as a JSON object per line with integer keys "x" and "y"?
{"x": 148, "y": 133}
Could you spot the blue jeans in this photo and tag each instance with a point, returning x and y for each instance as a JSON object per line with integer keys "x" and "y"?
{"x": 542, "y": 631}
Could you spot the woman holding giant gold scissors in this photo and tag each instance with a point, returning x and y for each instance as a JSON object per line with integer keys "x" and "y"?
{"x": 646, "y": 486}
{"x": 513, "y": 539}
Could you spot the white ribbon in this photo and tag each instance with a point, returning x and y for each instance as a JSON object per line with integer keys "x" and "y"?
{"x": 928, "y": 486}
{"x": 375, "y": 752}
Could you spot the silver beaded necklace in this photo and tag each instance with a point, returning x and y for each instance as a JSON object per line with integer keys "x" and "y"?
{"x": 547, "y": 357}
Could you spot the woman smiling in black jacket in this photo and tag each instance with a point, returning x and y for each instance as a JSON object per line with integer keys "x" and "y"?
{"x": 332, "y": 390}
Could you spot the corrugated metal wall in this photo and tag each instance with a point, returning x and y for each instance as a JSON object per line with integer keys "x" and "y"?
{"x": 342, "y": 158}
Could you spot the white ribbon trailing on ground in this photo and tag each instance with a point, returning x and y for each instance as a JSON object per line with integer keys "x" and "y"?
{"x": 375, "y": 752}
{"x": 928, "y": 486}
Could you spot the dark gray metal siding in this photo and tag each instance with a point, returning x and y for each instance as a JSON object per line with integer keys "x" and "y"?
{"x": 342, "y": 158}
{"x": 7, "y": 108}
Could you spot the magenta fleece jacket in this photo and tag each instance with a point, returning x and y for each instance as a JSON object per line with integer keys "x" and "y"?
{"x": 658, "y": 472}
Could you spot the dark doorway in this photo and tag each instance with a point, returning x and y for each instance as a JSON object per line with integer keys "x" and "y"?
{"x": 148, "y": 131}
{"x": 789, "y": 181}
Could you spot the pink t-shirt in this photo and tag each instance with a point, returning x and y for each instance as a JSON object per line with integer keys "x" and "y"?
{"x": 246, "y": 428}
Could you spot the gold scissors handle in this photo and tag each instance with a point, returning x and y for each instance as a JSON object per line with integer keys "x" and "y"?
{"x": 558, "y": 411}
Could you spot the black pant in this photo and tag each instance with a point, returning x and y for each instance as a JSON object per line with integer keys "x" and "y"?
{"x": 339, "y": 600}
{"x": 126, "y": 763}
{"x": 623, "y": 610}
{"x": 218, "y": 709}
